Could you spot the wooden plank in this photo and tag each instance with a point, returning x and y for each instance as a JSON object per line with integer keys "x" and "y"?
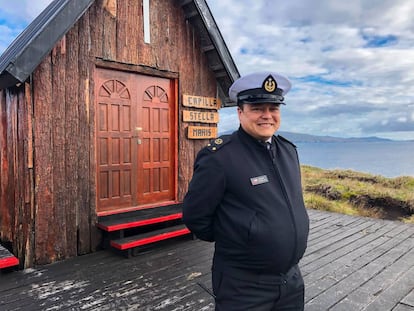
{"x": 200, "y": 116}
{"x": 351, "y": 250}
{"x": 201, "y": 132}
{"x": 325, "y": 235}
{"x": 96, "y": 29}
{"x": 9, "y": 170}
{"x": 109, "y": 29}
{"x": 86, "y": 210}
{"x": 29, "y": 132}
{"x": 7, "y": 259}
{"x": 409, "y": 299}
{"x": 328, "y": 235}
{"x": 356, "y": 272}
{"x": 186, "y": 149}
{"x": 94, "y": 262}
{"x": 150, "y": 237}
{"x": 97, "y": 292}
{"x": 140, "y": 218}
{"x": 317, "y": 257}
{"x": 391, "y": 297}
{"x": 29, "y": 181}
{"x": 18, "y": 129}
{"x": 13, "y": 151}
{"x": 162, "y": 284}
{"x": 22, "y": 228}
{"x": 4, "y": 203}
{"x": 358, "y": 253}
{"x": 8, "y": 262}
{"x": 367, "y": 293}
{"x": 312, "y": 262}
{"x": 58, "y": 151}
{"x": 122, "y": 31}
{"x": 379, "y": 264}
{"x": 323, "y": 225}
{"x": 403, "y": 307}
{"x": 96, "y": 32}
{"x": 201, "y": 102}
{"x": 140, "y": 223}
{"x": 320, "y": 218}
{"x": 142, "y": 47}
{"x": 127, "y": 20}
{"x": 70, "y": 208}
{"x": 133, "y": 35}
{"x": 43, "y": 164}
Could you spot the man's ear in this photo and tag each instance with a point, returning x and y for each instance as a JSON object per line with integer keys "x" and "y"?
{"x": 239, "y": 112}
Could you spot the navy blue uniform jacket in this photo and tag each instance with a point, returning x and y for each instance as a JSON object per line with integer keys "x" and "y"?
{"x": 248, "y": 203}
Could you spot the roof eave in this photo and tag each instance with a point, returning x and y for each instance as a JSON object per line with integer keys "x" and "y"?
{"x": 26, "y": 52}
{"x": 229, "y": 72}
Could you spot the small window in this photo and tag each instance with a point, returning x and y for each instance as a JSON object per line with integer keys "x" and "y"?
{"x": 146, "y": 14}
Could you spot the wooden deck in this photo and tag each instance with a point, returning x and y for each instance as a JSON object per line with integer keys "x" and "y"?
{"x": 351, "y": 263}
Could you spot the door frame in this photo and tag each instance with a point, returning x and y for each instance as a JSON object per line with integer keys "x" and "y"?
{"x": 139, "y": 70}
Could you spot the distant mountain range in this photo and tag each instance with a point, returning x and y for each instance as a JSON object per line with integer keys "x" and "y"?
{"x": 306, "y": 138}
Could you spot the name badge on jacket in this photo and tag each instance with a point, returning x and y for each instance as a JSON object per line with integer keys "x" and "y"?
{"x": 259, "y": 180}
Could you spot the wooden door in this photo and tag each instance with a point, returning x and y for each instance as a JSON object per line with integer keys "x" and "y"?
{"x": 156, "y": 156}
{"x": 135, "y": 138}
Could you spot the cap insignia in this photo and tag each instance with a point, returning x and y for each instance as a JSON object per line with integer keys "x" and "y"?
{"x": 269, "y": 84}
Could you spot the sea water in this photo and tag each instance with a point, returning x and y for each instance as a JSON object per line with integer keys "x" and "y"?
{"x": 389, "y": 159}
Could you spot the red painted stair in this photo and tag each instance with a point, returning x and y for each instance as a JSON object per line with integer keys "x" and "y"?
{"x": 7, "y": 259}
{"x": 128, "y": 231}
{"x": 150, "y": 237}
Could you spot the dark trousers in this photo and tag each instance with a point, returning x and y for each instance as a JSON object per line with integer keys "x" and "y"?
{"x": 258, "y": 292}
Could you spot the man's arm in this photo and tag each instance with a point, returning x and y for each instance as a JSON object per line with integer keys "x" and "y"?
{"x": 204, "y": 195}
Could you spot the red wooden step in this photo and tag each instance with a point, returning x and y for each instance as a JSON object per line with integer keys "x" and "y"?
{"x": 138, "y": 223}
{"x": 141, "y": 218}
{"x": 7, "y": 259}
{"x": 149, "y": 237}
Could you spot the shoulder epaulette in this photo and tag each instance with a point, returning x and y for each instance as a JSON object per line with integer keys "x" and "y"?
{"x": 286, "y": 140}
{"x": 219, "y": 142}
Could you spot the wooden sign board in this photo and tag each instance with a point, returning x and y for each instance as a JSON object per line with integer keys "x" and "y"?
{"x": 201, "y": 132}
{"x": 200, "y": 116}
{"x": 201, "y": 102}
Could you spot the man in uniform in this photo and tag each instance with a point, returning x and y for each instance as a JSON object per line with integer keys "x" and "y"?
{"x": 246, "y": 196}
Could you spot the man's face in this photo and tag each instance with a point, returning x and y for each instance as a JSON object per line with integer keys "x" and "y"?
{"x": 259, "y": 120}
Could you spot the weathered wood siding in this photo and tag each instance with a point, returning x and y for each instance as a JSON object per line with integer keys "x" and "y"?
{"x": 47, "y": 139}
{"x": 17, "y": 176}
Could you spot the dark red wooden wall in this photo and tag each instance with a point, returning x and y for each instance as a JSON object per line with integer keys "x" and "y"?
{"x": 47, "y": 139}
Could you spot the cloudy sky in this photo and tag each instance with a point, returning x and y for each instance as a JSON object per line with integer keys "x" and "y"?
{"x": 351, "y": 62}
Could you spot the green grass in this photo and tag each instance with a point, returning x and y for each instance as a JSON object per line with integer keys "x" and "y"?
{"x": 356, "y": 193}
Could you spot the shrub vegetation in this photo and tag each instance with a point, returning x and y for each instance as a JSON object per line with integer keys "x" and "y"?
{"x": 356, "y": 193}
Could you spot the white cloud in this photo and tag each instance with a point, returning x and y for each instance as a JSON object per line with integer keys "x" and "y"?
{"x": 16, "y": 15}
{"x": 350, "y": 61}
{"x": 7, "y": 36}
{"x": 22, "y": 10}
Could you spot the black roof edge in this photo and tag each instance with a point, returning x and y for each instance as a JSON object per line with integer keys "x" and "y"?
{"x": 217, "y": 39}
{"x": 26, "y": 52}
